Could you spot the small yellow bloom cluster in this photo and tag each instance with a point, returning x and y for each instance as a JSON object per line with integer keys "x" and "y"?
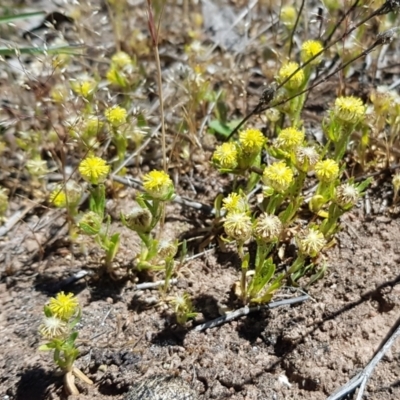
{"x": 288, "y": 16}
{"x": 225, "y": 155}
{"x": 84, "y": 87}
{"x": 287, "y": 70}
{"x": 63, "y": 306}
{"x": 235, "y": 202}
{"x": 158, "y": 185}
{"x": 116, "y": 115}
{"x": 349, "y": 109}
{"x": 278, "y": 176}
{"x": 289, "y": 139}
{"x": 66, "y": 195}
{"x": 327, "y": 170}
{"x": 251, "y": 141}
{"x": 94, "y": 170}
{"x": 310, "y": 49}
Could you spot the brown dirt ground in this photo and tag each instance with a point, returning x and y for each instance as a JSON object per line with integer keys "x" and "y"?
{"x": 299, "y": 352}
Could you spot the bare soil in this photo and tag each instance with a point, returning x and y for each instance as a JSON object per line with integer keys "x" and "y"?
{"x": 305, "y": 351}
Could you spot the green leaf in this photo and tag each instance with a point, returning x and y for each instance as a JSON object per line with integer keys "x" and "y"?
{"x": 262, "y": 277}
{"x": 39, "y": 50}
{"x": 221, "y": 128}
{"x": 46, "y": 347}
{"x": 5, "y": 19}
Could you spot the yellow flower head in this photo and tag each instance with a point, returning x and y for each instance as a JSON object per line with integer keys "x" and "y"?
{"x": 85, "y": 87}
{"x": 327, "y": 170}
{"x": 268, "y": 228}
{"x": 288, "y": 16}
{"x": 349, "y": 109}
{"x": 287, "y": 70}
{"x": 121, "y": 59}
{"x": 278, "y": 176}
{"x": 310, "y": 243}
{"x": 94, "y": 170}
{"x": 238, "y": 226}
{"x": 346, "y": 195}
{"x": 63, "y": 306}
{"x": 53, "y": 328}
{"x": 116, "y": 115}
{"x": 68, "y": 194}
{"x": 396, "y": 182}
{"x": 306, "y": 158}
{"x": 225, "y": 156}
{"x": 235, "y": 202}
{"x": 251, "y": 141}
{"x": 290, "y": 138}
{"x": 158, "y": 185}
{"x": 310, "y": 49}
{"x": 91, "y": 125}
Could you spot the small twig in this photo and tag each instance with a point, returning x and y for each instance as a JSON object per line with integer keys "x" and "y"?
{"x": 154, "y": 285}
{"x": 14, "y": 219}
{"x": 247, "y": 310}
{"x": 361, "y": 378}
{"x": 295, "y": 27}
{"x": 209, "y": 112}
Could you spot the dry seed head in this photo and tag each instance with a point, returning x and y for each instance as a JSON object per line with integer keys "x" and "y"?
{"x": 310, "y": 243}
{"x": 37, "y": 167}
{"x": 138, "y": 220}
{"x": 167, "y": 249}
{"x": 268, "y": 228}
{"x": 273, "y": 114}
{"x": 346, "y": 195}
{"x": 238, "y": 226}
{"x": 53, "y": 328}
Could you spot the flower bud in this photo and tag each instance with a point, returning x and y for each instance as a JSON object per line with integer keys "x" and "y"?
{"x": 138, "y": 220}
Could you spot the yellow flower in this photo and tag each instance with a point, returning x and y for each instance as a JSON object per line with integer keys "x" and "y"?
{"x": 310, "y": 49}
{"x": 268, "y": 228}
{"x": 288, "y": 16}
{"x": 290, "y": 138}
{"x": 349, "y": 109}
{"x": 287, "y": 70}
{"x": 84, "y": 87}
{"x": 68, "y": 194}
{"x": 158, "y": 185}
{"x": 59, "y": 93}
{"x": 396, "y": 182}
{"x": 251, "y": 140}
{"x": 63, "y": 306}
{"x": 238, "y": 226}
{"x": 310, "y": 243}
{"x": 278, "y": 176}
{"x": 94, "y": 170}
{"x": 121, "y": 59}
{"x": 235, "y": 202}
{"x": 306, "y": 158}
{"x": 327, "y": 170}
{"x": 116, "y": 77}
{"x": 116, "y": 115}
{"x": 225, "y": 155}
{"x": 53, "y": 328}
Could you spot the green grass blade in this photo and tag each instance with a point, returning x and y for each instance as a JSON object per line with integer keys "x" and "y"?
{"x": 5, "y": 19}
{"x": 39, "y": 50}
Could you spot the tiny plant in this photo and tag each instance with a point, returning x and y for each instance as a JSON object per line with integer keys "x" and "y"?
{"x": 61, "y": 315}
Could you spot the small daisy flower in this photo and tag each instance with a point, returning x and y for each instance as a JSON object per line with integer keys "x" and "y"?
{"x": 306, "y": 158}
{"x": 346, "y": 195}
{"x": 289, "y": 138}
{"x": 327, "y": 170}
{"x": 278, "y": 176}
{"x": 94, "y": 170}
{"x": 63, "y": 306}
{"x": 225, "y": 156}
{"x": 349, "y": 109}
{"x": 238, "y": 226}
{"x": 268, "y": 228}
{"x": 158, "y": 185}
{"x": 251, "y": 141}
{"x": 311, "y": 242}
{"x": 53, "y": 328}
{"x": 116, "y": 115}
{"x": 138, "y": 220}
{"x": 287, "y": 70}
{"x": 235, "y": 202}
{"x": 84, "y": 87}
{"x": 309, "y": 49}
{"x": 68, "y": 194}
